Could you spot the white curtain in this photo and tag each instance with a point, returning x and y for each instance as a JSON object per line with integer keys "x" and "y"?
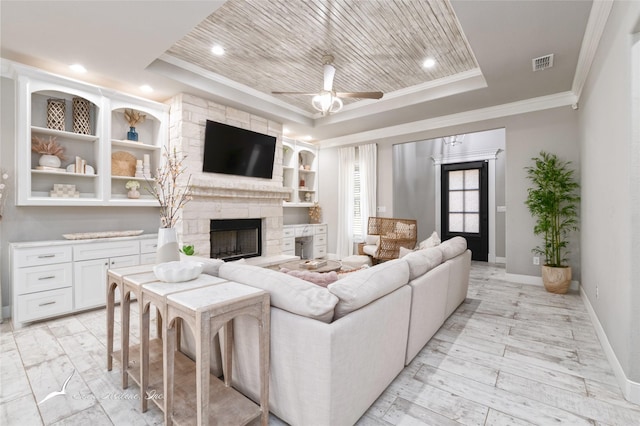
{"x": 368, "y": 161}
{"x": 346, "y": 158}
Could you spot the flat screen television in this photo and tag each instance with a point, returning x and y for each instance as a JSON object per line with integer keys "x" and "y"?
{"x": 235, "y": 151}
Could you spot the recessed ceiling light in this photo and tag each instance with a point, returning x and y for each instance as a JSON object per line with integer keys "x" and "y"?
{"x": 217, "y": 50}
{"x": 429, "y": 62}
{"x": 146, "y": 88}
{"x": 78, "y": 68}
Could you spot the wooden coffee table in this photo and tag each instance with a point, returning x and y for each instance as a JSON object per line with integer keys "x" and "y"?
{"x": 332, "y": 265}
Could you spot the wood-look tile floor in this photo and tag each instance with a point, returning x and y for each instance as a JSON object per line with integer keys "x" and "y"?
{"x": 511, "y": 354}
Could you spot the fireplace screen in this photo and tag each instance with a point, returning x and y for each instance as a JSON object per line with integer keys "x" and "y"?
{"x": 233, "y": 239}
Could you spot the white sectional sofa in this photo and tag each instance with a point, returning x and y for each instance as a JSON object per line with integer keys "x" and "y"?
{"x": 334, "y": 350}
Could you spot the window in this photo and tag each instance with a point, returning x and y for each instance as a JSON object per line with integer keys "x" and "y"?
{"x": 358, "y": 232}
{"x": 464, "y": 201}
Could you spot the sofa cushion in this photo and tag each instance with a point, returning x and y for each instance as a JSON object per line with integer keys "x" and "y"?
{"x": 371, "y": 250}
{"x": 363, "y": 287}
{"x": 403, "y": 251}
{"x": 432, "y": 241}
{"x": 452, "y": 248}
{"x": 287, "y": 292}
{"x": 422, "y": 261}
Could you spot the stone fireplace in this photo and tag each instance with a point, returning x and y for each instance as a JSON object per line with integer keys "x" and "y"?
{"x": 217, "y": 196}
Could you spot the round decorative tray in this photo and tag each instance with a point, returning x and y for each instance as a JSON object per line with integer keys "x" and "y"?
{"x": 123, "y": 164}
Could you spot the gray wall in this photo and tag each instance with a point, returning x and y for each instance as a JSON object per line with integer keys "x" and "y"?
{"x": 609, "y": 114}
{"x": 554, "y": 130}
{"x": 414, "y": 195}
{"x": 49, "y": 223}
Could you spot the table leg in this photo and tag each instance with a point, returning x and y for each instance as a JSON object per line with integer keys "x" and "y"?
{"x": 228, "y": 352}
{"x": 158, "y": 324}
{"x": 144, "y": 354}
{"x": 124, "y": 308}
{"x": 168, "y": 357}
{"x": 203, "y": 342}
{"x": 111, "y": 293}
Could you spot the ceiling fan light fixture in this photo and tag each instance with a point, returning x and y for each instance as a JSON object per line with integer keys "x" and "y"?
{"x": 326, "y": 103}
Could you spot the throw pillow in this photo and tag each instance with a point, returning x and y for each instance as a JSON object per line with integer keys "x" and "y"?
{"x": 372, "y": 240}
{"x": 322, "y": 279}
{"x": 404, "y": 251}
{"x": 432, "y": 241}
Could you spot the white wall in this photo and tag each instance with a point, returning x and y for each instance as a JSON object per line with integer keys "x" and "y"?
{"x": 554, "y": 130}
{"x": 611, "y": 187}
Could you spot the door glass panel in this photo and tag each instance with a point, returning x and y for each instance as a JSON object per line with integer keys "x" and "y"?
{"x": 472, "y": 223}
{"x": 456, "y": 222}
{"x": 456, "y": 201}
{"x": 472, "y": 179}
{"x": 456, "y": 179}
{"x": 471, "y": 201}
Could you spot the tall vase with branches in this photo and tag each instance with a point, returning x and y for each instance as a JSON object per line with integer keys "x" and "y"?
{"x": 553, "y": 201}
{"x": 172, "y": 195}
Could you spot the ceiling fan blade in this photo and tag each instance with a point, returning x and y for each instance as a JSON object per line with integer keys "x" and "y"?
{"x": 295, "y": 93}
{"x": 329, "y": 73}
{"x": 363, "y": 95}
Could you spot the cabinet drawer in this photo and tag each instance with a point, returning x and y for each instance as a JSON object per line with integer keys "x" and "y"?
{"x": 106, "y": 249}
{"x": 148, "y": 258}
{"x": 124, "y": 261}
{"x": 41, "y": 256}
{"x": 304, "y": 231}
{"x": 319, "y": 251}
{"x": 46, "y": 277}
{"x": 288, "y": 244}
{"x": 320, "y": 240}
{"x": 44, "y": 304}
{"x": 320, "y": 229}
{"x": 148, "y": 246}
{"x": 288, "y": 232}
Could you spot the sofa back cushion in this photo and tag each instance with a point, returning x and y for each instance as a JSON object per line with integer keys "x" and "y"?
{"x": 363, "y": 287}
{"x": 422, "y": 261}
{"x": 452, "y": 248}
{"x": 287, "y": 292}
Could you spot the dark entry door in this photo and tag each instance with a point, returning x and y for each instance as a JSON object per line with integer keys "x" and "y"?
{"x": 465, "y": 205}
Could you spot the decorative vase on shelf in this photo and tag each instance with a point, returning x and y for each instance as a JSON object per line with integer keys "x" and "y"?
{"x": 132, "y": 135}
{"x": 168, "y": 250}
{"x": 133, "y": 193}
{"x": 48, "y": 160}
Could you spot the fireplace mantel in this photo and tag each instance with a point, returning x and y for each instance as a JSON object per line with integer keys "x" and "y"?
{"x": 236, "y": 190}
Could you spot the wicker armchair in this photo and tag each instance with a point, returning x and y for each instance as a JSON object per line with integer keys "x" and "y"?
{"x": 391, "y": 235}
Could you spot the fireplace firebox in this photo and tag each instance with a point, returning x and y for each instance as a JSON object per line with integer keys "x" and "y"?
{"x": 233, "y": 239}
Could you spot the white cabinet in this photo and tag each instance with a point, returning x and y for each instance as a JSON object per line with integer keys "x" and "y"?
{"x": 311, "y": 238}
{"x": 300, "y": 172}
{"x": 105, "y": 159}
{"x": 51, "y": 278}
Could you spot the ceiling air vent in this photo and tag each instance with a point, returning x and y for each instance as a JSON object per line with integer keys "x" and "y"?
{"x": 543, "y": 62}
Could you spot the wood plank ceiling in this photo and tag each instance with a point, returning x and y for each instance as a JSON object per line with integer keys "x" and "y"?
{"x": 378, "y": 45}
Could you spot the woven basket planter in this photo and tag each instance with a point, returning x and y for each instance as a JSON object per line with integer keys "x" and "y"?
{"x": 81, "y": 116}
{"x": 55, "y": 113}
{"x": 556, "y": 280}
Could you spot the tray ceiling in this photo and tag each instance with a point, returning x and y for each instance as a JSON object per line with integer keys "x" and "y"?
{"x": 378, "y": 45}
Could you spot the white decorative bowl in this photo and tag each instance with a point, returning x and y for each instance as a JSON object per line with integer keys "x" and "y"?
{"x": 177, "y": 271}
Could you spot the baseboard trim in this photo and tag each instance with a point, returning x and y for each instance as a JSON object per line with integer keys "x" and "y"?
{"x": 630, "y": 389}
{"x": 502, "y": 260}
{"x": 533, "y": 280}
{"x": 6, "y": 312}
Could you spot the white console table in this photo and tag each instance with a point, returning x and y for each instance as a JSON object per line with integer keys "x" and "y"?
{"x": 52, "y": 278}
{"x": 315, "y": 236}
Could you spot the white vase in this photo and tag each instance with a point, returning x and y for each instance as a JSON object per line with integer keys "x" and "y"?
{"x": 133, "y": 193}
{"x": 168, "y": 250}
{"x": 49, "y": 161}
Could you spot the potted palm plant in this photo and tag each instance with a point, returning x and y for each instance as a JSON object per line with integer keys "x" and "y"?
{"x": 553, "y": 201}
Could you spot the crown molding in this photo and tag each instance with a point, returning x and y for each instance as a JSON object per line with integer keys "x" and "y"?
{"x": 598, "y": 16}
{"x": 489, "y": 113}
{"x": 478, "y": 155}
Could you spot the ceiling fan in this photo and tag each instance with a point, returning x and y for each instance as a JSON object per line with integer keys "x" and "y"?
{"x": 327, "y": 100}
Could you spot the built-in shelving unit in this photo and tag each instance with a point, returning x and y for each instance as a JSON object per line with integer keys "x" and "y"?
{"x": 300, "y": 172}
{"x": 106, "y": 135}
